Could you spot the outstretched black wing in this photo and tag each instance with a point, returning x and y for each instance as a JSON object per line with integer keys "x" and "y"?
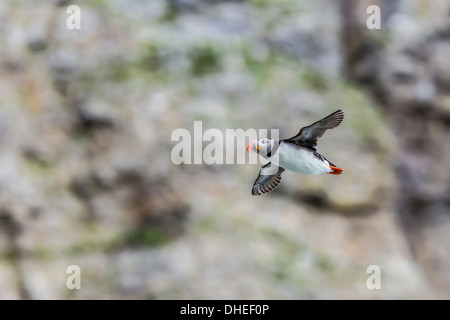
{"x": 268, "y": 179}
{"x": 307, "y": 136}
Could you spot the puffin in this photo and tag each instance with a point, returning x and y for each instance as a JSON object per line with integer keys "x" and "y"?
{"x": 297, "y": 154}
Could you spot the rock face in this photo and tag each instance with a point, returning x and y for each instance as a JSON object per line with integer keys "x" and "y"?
{"x": 86, "y": 177}
{"x": 411, "y": 86}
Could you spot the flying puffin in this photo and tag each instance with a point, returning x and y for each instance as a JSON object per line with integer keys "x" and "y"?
{"x": 296, "y": 154}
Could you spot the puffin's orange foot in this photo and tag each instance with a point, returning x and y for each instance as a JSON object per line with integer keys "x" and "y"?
{"x": 336, "y": 171}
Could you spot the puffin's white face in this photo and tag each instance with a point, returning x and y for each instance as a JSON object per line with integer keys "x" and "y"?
{"x": 261, "y": 146}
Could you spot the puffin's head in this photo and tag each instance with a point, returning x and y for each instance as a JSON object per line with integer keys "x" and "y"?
{"x": 261, "y": 146}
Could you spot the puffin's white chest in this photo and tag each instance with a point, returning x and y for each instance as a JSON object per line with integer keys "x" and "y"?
{"x": 299, "y": 160}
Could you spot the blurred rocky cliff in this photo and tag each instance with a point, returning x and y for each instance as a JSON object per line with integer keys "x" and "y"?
{"x": 86, "y": 176}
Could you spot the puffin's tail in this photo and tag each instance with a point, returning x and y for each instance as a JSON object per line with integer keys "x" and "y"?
{"x": 335, "y": 170}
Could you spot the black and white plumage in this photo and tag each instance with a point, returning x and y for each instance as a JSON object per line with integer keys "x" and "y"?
{"x": 267, "y": 181}
{"x": 297, "y": 154}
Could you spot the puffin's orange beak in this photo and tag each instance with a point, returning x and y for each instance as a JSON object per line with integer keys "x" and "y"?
{"x": 249, "y": 147}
